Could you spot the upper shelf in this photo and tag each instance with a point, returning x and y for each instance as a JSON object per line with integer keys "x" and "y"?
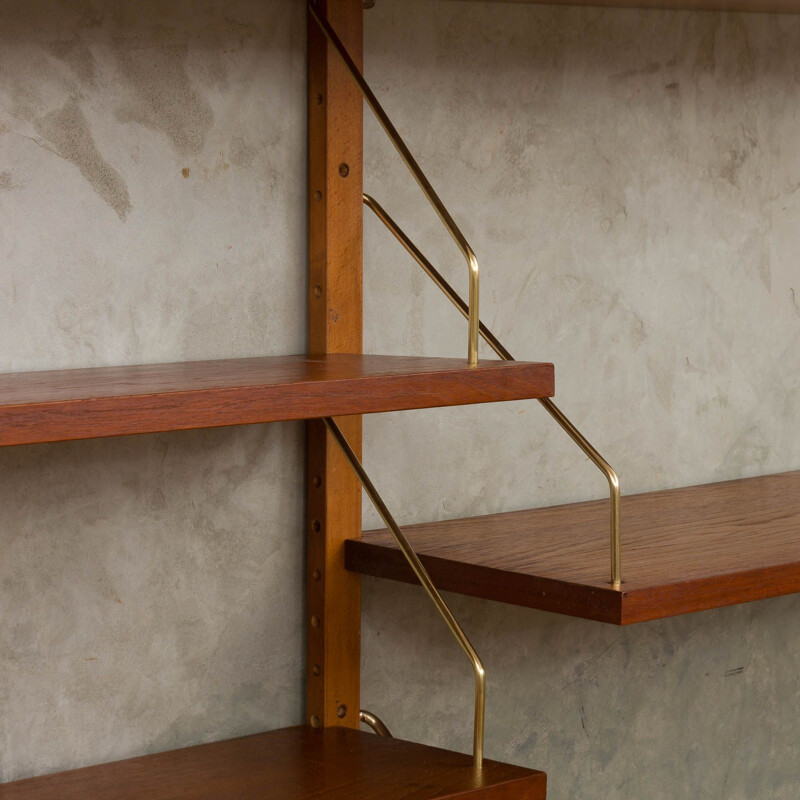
{"x": 112, "y": 401}
{"x": 683, "y": 550}
{"x": 756, "y": 6}
{"x": 291, "y": 764}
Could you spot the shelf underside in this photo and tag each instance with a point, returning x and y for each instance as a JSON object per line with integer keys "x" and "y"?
{"x": 758, "y": 6}
{"x": 290, "y": 764}
{"x": 683, "y": 550}
{"x": 113, "y": 401}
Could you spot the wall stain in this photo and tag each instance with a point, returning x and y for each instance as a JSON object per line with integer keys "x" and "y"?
{"x": 162, "y": 97}
{"x": 648, "y": 69}
{"x": 77, "y": 56}
{"x": 7, "y": 181}
{"x": 765, "y": 270}
{"x": 67, "y": 130}
{"x": 242, "y": 154}
{"x": 705, "y": 59}
{"x": 732, "y": 166}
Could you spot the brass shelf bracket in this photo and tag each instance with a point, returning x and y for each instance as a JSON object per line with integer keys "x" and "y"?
{"x": 549, "y": 405}
{"x": 427, "y": 584}
{"x": 374, "y": 722}
{"x": 419, "y": 176}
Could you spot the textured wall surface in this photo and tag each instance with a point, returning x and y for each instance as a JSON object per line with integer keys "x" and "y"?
{"x": 153, "y": 209}
{"x": 629, "y": 181}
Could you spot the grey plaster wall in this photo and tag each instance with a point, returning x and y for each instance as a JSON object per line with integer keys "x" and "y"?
{"x": 629, "y": 180}
{"x": 153, "y": 209}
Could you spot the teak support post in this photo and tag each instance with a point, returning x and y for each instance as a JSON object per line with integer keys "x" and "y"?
{"x": 335, "y": 150}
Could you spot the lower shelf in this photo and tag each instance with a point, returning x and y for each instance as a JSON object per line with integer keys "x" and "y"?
{"x": 291, "y": 764}
{"x": 683, "y": 550}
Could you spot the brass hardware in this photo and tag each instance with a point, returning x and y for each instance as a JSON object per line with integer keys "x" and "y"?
{"x": 611, "y": 477}
{"x": 315, "y": 723}
{"x": 419, "y": 176}
{"x": 427, "y": 584}
{"x": 316, "y": 670}
{"x": 318, "y": 195}
{"x": 341, "y": 712}
{"x": 374, "y": 722}
{"x": 344, "y": 170}
{"x": 315, "y": 621}
{"x": 316, "y": 575}
{"x": 549, "y": 405}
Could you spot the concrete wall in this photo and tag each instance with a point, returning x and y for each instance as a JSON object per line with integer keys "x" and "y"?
{"x": 629, "y": 180}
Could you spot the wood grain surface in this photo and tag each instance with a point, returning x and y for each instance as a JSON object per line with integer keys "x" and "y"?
{"x": 335, "y": 325}
{"x": 290, "y": 764}
{"x": 683, "y": 550}
{"x": 756, "y": 6}
{"x": 111, "y": 401}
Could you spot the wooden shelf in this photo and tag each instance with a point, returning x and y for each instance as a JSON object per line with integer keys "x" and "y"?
{"x": 683, "y": 550}
{"x": 291, "y": 764}
{"x": 757, "y": 6}
{"x": 112, "y": 401}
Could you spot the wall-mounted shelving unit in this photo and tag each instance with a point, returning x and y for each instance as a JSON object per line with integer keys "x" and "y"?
{"x": 684, "y": 550}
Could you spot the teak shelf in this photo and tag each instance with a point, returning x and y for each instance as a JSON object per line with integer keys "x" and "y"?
{"x": 684, "y": 550}
{"x": 111, "y": 401}
{"x": 755, "y": 6}
{"x": 291, "y": 764}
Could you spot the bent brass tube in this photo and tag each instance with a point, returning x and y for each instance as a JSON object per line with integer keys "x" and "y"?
{"x": 420, "y": 177}
{"x": 380, "y": 212}
{"x": 374, "y": 722}
{"x": 427, "y": 584}
{"x": 549, "y": 405}
{"x": 611, "y": 476}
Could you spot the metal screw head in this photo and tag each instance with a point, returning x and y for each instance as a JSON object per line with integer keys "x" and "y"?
{"x": 318, "y": 195}
{"x": 316, "y": 575}
{"x": 344, "y": 170}
{"x": 315, "y": 721}
{"x": 341, "y": 712}
{"x": 317, "y": 291}
{"x": 315, "y": 621}
{"x": 316, "y": 670}
{"x": 317, "y": 481}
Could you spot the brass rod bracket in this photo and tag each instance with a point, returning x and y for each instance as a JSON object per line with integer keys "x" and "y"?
{"x": 374, "y": 722}
{"x": 420, "y": 177}
{"x": 427, "y": 584}
{"x": 503, "y": 353}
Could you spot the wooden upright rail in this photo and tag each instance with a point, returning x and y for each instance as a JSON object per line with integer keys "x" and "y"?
{"x": 335, "y": 156}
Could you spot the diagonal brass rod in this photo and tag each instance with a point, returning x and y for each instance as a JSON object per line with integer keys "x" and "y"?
{"x": 419, "y": 176}
{"x": 427, "y": 584}
{"x": 549, "y": 405}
